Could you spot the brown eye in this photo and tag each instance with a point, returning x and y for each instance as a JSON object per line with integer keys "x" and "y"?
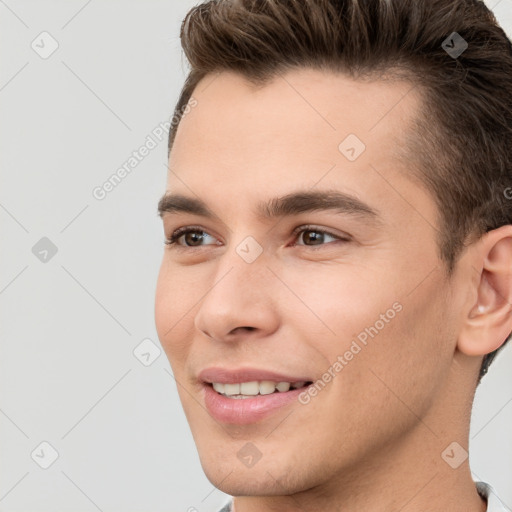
{"x": 190, "y": 237}
{"x": 311, "y": 237}
{"x": 193, "y": 238}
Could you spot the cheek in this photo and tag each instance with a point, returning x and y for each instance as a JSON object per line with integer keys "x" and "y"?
{"x": 341, "y": 301}
{"x": 408, "y": 357}
{"x": 386, "y": 328}
{"x": 174, "y": 300}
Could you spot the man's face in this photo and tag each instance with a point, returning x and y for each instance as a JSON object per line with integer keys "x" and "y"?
{"x": 356, "y": 293}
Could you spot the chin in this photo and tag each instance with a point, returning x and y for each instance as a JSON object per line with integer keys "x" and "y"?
{"x": 248, "y": 484}
{"x": 247, "y": 481}
{"x": 272, "y": 475}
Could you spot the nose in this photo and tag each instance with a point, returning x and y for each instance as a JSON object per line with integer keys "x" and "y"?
{"x": 241, "y": 301}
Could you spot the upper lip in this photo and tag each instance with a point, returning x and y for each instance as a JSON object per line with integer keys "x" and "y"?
{"x": 237, "y": 375}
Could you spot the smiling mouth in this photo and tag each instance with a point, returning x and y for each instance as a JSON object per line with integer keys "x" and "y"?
{"x": 243, "y": 390}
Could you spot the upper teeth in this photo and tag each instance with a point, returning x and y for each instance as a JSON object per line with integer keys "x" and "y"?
{"x": 263, "y": 387}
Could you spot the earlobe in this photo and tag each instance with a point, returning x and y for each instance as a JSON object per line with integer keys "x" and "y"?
{"x": 489, "y": 321}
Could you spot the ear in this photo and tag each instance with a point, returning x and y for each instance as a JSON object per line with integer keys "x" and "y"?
{"x": 489, "y": 321}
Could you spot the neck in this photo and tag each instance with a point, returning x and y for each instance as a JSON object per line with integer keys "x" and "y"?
{"x": 426, "y": 468}
{"x": 406, "y": 486}
{"x": 407, "y": 476}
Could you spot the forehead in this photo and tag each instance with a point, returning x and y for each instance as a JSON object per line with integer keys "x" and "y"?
{"x": 308, "y": 110}
{"x": 304, "y": 103}
{"x": 302, "y": 128}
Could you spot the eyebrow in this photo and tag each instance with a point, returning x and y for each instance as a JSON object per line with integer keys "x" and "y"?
{"x": 294, "y": 203}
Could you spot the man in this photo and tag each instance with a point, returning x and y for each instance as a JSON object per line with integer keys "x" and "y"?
{"x": 337, "y": 277}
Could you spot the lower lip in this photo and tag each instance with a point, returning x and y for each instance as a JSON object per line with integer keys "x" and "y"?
{"x": 245, "y": 411}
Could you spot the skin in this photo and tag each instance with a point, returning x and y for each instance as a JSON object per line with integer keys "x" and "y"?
{"x": 372, "y": 439}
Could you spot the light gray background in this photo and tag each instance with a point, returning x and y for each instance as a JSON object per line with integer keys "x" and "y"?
{"x": 68, "y": 375}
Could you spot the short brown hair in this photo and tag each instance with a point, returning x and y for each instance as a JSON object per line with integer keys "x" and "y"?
{"x": 460, "y": 147}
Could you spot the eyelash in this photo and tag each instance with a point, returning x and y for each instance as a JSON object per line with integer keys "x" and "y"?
{"x": 178, "y": 233}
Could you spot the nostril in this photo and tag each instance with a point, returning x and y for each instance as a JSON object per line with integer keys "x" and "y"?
{"x": 248, "y": 328}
